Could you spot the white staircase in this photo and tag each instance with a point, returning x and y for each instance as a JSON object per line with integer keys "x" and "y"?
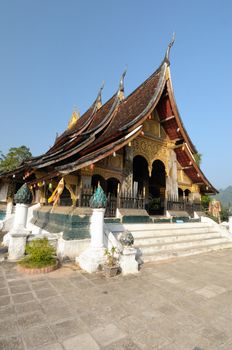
{"x": 164, "y": 241}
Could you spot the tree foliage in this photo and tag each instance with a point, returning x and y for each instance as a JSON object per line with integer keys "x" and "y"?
{"x": 198, "y": 158}
{"x": 205, "y": 199}
{"x": 225, "y": 213}
{"x": 14, "y": 157}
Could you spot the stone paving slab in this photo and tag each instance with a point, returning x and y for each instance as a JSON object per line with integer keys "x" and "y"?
{"x": 185, "y": 304}
{"x": 81, "y": 342}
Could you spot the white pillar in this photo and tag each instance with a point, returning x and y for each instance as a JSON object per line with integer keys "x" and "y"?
{"x": 20, "y": 218}
{"x": 93, "y": 257}
{"x": 96, "y": 228}
{"x": 18, "y": 234}
{"x": 230, "y": 224}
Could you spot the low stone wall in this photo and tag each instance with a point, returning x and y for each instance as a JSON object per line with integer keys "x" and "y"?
{"x": 74, "y": 223}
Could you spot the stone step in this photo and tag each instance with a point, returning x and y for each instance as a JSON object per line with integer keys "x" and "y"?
{"x": 170, "y": 254}
{"x": 156, "y": 238}
{"x": 153, "y": 248}
{"x": 118, "y": 227}
{"x": 163, "y": 229}
{"x": 172, "y": 232}
{"x": 163, "y": 226}
{"x": 167, "y": 240}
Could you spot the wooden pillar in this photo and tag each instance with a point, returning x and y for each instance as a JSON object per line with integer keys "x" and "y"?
{"x": 127, "y": 183}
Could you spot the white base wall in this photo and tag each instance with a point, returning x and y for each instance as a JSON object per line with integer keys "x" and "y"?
{"x": 72, "y": 248}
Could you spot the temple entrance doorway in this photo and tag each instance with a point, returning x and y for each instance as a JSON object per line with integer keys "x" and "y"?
{"x": 98, "y": 179}
{"x": 111, "y": 192}
{"x": 112, "y": 186}
{"x": 187, "y": 194}
{"x": 153, "y": 187}
{"x": 157, "y": 187}
{"x": 180, "y": 194}
{"x": 140, "y": 176}
{"x": 109, "y": 186}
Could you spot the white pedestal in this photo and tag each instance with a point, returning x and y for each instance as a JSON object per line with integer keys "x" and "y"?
{"x": 230, "y": 224}
{"x": 18, "y": 234}
{"x": 17, "y": 245}
{"x": 92, "y": 257}
{"x": 127, "y": 261}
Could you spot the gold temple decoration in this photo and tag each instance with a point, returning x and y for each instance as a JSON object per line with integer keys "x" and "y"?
{"x": 167, "y": 73}
{"x": 54, "y": 198}
{"x": 121, "y": 95}
{"x": 73, "y": 120}
{"x": 98, "y": 104}
{"x": 151, "y": 150}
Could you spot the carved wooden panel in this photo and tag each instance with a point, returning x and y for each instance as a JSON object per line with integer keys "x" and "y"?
{"x": 151, "y": 150}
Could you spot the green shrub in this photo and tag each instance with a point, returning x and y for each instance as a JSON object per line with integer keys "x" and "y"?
{"x": 225, "y": 213}
{"x": 205, "y": 199}
{"x": 111, "y": 259}
{"x": 39, "y": 254}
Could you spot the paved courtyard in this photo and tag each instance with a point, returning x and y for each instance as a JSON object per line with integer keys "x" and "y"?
{"x": 182, "y": 304}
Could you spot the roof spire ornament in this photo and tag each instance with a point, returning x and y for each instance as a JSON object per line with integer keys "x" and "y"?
{"x": 23, "y": 195}
{"x": 121, "y": 86}
{"x": 98, "y": 102}
{"x": 166, "y": 59}
{"x": 74, "y": 118}
{"x": 98, "y": 199}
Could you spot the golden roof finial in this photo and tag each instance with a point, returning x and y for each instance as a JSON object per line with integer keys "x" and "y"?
{"x": 98, "y": 102}
{"x": 121, "y": 86}
{"x": 74, "y": 118}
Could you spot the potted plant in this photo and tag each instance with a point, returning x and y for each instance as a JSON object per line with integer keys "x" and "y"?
{"x": 40, "y": 257}
{"x": 111, "y": 265}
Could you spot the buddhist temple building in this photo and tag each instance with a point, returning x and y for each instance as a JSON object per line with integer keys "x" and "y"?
{"x": 135, "y": 146}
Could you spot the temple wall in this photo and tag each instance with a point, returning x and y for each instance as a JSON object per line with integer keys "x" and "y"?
{"x": 3, "y": 191}
{"x": 184, "y": 183}
{"x": 71, "y": 179}
{"x": 109, "y": 167}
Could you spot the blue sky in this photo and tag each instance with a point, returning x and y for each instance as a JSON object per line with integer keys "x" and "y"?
{"x": 55, "y": 55}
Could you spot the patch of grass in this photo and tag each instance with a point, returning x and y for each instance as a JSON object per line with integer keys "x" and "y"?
{"x": 31, "y": 264}
{"x": 39, "y": 254}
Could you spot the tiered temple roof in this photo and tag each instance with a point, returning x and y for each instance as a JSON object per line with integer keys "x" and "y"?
{"x": 104, "y": 129}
